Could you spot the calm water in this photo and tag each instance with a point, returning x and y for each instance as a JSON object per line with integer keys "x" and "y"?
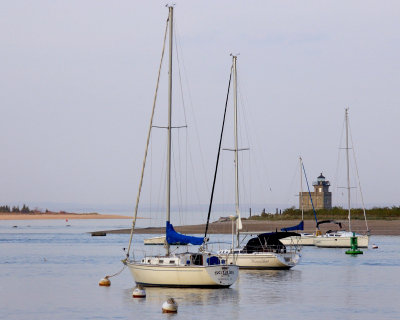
{"x": 50, "y": 271}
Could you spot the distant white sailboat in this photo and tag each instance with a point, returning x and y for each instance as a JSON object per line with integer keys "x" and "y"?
{"x": 200, "y": 269}
{"x": 160, "y": 240}
{"x": 341, "y": 238}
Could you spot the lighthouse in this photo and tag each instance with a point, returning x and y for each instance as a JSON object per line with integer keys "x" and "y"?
{"x": 321, "y": 197}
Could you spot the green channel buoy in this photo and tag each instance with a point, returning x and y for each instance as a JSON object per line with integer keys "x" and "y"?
{"x": 354, "y": 246}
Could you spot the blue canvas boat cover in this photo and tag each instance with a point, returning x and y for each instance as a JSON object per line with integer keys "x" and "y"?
{"x": 300, "y": 226}
{"x": 174, "y": 237}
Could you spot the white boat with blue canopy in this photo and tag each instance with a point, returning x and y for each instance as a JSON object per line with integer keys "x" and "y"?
{"x": 268, "y": 256}
{"x": 200, "y": 269}
{"x": 265, "y": 251}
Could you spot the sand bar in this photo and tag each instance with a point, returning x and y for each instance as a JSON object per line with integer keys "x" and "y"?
{"x": 377, "y": 227}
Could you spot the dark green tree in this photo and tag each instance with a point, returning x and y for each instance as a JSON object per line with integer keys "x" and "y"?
{"x": 25, "y": 209}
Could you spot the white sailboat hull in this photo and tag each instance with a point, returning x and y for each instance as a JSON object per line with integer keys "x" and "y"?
{"x": 263, "y": 260}
{"x": 216, "y": 276}
{"x": 155, "y": 241}
{"x": 304, "y": 240}
{"x": 340, "y": 241}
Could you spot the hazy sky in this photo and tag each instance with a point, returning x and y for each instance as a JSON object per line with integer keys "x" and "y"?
{"x": 77, "y": 80}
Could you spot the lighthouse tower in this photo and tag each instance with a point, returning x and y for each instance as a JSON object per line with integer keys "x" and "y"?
{"x": 321, "y": 197}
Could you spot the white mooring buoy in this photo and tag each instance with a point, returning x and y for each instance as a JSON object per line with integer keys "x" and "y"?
{"x": 170, "y": 306}
{"x": 139, "y": 292}
{"x": 105, "y": 282}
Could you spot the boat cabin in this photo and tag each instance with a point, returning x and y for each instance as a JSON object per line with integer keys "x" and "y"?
{"x": 268, "y": 242}
{"x": 185, "y": 259}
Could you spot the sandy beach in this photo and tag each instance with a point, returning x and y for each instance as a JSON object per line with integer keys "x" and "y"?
{"x": 377, "y": 227}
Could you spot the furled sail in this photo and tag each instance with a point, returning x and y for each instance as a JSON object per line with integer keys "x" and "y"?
{"x": 300, "y": 226}
{"x": 174, "y": 237}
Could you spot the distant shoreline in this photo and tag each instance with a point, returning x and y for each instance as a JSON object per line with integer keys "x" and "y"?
{"x": 377, "y": 227}
{"x": 59, "y": 216}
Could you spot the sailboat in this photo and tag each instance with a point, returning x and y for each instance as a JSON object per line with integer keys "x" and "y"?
{"x": 341, "y": 238}
{"x": 265, "y": 251}
{"x": 200, "y": 269}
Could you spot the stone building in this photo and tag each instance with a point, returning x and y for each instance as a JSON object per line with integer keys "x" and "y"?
{"x": 321, "y": 197}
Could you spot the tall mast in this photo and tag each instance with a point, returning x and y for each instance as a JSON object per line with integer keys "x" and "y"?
{"x": 347, "y": 161}
{"x": 301, "y": 189}
{"x": 171, "y": 23}
{"x": 238, "y": 221}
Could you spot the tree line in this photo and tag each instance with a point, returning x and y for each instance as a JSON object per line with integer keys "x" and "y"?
{"x": 15, "y": 209}
{"x": 339, "y": 213}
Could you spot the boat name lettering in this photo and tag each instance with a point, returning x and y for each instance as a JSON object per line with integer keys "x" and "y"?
{"x": 224, "y": 272}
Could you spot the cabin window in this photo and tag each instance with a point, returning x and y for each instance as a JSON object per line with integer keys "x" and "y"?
{"x": 197, "y": 259}
{"x": 160, "y": 261}
{"x": 172, "y": 261}
{"x": 148, "y": 261}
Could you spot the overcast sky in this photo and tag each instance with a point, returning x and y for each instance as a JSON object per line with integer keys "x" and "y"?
{"x": 77, "y": 80}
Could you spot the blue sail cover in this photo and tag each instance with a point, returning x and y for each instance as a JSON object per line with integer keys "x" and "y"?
{"x": 174, "y": 237}
{"x": 300, "y": 226}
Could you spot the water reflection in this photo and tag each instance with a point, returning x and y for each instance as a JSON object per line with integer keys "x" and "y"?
{"x": 270, "y": 275}
{"x": 189, "y": 296}
{"x": 192, "y": 303}
{"x": 268, "y": 286}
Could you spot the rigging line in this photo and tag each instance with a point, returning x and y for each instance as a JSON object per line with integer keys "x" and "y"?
{"x": 222, "y": 175}
{"x": 175, "y": 127}
{"x": 184, "y": 115}
{"x": 259, "y": 167}
{"x": 288, "y": 196}
{"x": 248, "y": 137}
{"x": 179, "y": 73}
{"x": 117, "y": 273}
{"x": 219, "y": 152}
{"x": 188, "y": 150}
{"x": 148, "y": 139}
{"x": 195, "y": 125}
{"x": 250, "y": 180}
{"x": 309, "y": 193}
{"x": 338, "y": 159}
{"x": 358, "y": 177}
{"x": 178, "y": 178}
{"x": 151, "y": 179}
{"x": 162, "y": 187}
{"x": 195, "y": 184}
{"x": 244, "y": 136}
{"x": 186, "y": 169}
